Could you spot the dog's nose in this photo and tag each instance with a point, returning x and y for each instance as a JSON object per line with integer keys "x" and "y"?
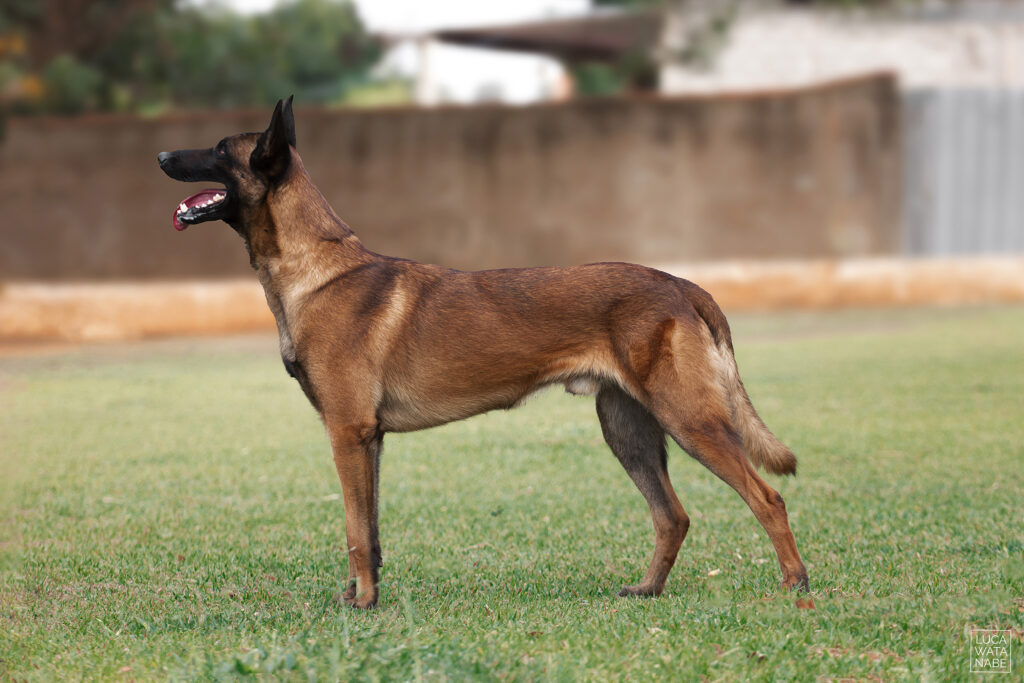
{"x": 162, "y": 157}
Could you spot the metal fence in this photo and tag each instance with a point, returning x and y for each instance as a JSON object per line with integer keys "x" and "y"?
{"x": 963, "y": 171}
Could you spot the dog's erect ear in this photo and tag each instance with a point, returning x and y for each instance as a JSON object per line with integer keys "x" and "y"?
{"x": 289, "y": 121}
{"x": 271, "y": 155}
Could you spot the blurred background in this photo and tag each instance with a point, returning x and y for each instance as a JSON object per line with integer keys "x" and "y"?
{"x": 788, "y": 153}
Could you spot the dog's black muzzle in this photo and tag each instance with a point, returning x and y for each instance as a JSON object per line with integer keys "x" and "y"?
{"x": 190, "y": 165}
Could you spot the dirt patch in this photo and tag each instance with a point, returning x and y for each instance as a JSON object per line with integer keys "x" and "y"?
{"x": 44, "y": 312}
{"x": 859, "y": 283}
{"x": 45, "y": 315}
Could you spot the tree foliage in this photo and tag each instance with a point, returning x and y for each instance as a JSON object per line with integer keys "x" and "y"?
{"x": 150, "y": 55}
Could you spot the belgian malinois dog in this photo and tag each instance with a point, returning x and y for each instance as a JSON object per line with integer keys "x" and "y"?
{"x": 381, "y": 344}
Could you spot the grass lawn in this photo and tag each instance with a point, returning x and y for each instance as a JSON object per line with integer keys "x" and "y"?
{"x": 170, "y": 510}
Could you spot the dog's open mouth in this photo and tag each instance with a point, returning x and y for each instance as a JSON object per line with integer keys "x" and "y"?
{"x": 207, "y": 205}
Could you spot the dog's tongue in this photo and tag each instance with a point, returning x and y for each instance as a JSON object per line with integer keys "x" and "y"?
{"x": 204, "y": 197}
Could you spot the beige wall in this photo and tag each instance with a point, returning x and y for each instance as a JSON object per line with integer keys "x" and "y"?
{"x": 811, "y": 173}
{"x": 798, "y": 45}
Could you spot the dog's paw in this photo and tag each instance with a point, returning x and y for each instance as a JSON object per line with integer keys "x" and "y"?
{"x": 800, "y": 584}
{"x": 805, "y": 603}
{"x": 351, "y": 598}
{"x": 348, "y": 595}
{"x": 797, "y": 582}
{"x": 638, "y": 591}
{"x": 362, "y": 602}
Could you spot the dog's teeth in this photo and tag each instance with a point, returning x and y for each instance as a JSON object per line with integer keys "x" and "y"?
{"x": 218, "y": 197}
{"x": 182, "y": 208}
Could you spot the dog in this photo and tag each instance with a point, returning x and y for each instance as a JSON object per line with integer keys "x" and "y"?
{"x": 381, "y": 344}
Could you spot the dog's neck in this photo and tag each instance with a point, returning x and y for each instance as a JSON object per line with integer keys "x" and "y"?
{"x": 299, "y": 243}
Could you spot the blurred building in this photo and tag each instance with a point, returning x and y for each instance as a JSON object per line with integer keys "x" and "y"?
{"x": 445, "y": 73}
{"x": 448, "y": 74}
{"x": 960, "y": 66}
{"x": 715, "y": 45}
{"x": 960, "y": 44}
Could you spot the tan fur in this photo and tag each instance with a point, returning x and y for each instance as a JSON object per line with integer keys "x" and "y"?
{"x": 762, "y": 447}
{"x": 387, "y": 345}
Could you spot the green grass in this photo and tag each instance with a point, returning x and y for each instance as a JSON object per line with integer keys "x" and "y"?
{"x": 170, "y": 510}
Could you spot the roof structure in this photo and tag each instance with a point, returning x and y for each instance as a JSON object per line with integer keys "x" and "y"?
{"x": 603, "y": 36}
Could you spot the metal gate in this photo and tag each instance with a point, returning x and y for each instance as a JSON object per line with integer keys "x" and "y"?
{"x": 963, "y": 171}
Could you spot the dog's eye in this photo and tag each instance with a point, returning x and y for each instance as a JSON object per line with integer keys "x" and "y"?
{"x": 221, "y": 149}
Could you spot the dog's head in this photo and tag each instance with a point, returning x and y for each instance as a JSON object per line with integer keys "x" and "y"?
{"x": 248, "y": 165}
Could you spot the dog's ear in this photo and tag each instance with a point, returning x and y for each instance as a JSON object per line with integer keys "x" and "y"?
{"x": 289, "y": 121}
{"x": 271, "y": 156}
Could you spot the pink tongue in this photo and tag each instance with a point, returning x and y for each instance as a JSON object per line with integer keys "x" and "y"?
{"x": 198, "y": 198}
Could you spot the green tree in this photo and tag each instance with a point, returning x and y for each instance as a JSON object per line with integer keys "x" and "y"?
{"x": 149, "y": 55}
{"x": 316, "y": 49}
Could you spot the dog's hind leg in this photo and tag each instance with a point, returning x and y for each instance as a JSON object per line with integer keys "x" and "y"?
{"x": 638, "y": 441}
{"x": 689, "y": 402}
{"x": 718, "y": 447}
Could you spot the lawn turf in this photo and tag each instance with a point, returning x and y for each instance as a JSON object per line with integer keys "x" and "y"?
{"x": 170, "y": 510}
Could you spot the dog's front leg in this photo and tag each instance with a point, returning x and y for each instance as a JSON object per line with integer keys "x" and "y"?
{"x": 356, "y": 447}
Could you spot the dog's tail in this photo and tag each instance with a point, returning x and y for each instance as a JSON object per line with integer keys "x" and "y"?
{"x": 762, "y": 447}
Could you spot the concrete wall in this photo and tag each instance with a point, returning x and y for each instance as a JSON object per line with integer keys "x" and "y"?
{"x": 926, "y": 47}
{"x": 810, "y": 173}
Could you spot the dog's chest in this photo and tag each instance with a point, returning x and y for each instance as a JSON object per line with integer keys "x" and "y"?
{"x": 277, "y": 307}
{"x": 289, "y": 357}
